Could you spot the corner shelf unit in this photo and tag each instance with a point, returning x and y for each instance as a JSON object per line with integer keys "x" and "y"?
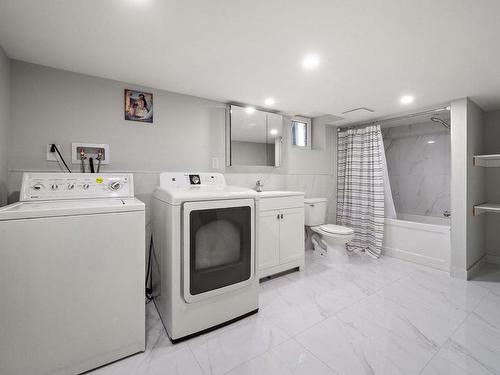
{"x": 492, "y": 160}
{"x": 486, "y": 207}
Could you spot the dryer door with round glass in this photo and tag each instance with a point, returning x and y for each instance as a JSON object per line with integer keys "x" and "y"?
{"x": 218, "y": 247}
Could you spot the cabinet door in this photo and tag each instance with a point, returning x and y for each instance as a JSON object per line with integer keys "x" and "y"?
{"x": 269, "y": 229}
{"x": 292, "y": 235}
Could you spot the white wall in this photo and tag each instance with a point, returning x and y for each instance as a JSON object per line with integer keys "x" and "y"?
{"x": 492, "y": 146}
{"x": 467, "y": 188}
{"x": 476, "y": 187}
{"x": 4, "y": 122}
{"x": 55, "y": 106}
{"x": 318, "y": 160}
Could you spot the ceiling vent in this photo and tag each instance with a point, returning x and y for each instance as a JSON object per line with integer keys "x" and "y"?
{"x": 357, "y": 112}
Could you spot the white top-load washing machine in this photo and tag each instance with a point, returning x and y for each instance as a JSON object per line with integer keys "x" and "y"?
{"x": 204, "y": 235}
{"x": 72, "y": 268}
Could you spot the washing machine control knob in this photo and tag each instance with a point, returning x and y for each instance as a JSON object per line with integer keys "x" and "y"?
{"x": 115, "y": 185}
{"x": 54, "y": 186}
{"x": 71, "y": 186}
{"x": 86, "y": 186}
{"x": 37, "y": 187}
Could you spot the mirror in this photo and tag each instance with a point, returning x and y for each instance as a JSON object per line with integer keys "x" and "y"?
{"x": 255, "y": 137}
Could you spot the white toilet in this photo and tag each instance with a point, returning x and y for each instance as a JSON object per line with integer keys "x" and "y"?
{"x": 326, "y": 238}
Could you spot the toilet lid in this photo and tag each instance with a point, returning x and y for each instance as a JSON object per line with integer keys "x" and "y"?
{"x": 336, "y": 229}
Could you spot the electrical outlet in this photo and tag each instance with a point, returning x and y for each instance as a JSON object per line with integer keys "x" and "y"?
{"x": 52, "y": 156}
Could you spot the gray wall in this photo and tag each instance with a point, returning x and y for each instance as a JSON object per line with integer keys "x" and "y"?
{"x": 50, "y": 105}
{"x": 492, "y": 146}
{"x": 317, "y": 160}
{"x": 55, "y": 106}
{"x": 4, "y": 122}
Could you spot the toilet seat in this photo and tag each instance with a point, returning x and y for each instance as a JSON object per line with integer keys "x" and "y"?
{"x": 336, "y": 229}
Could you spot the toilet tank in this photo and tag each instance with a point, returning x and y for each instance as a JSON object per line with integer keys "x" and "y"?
{"x": 315, "y": 211}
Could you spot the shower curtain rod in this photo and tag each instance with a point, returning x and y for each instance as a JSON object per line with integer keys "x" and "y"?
{"x": 396, "y": 118}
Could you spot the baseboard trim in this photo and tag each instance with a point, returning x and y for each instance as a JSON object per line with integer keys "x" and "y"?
{"x": 269, "y": 271}
{"x": 474, "y": 269}
{"x": 458, "y": 273}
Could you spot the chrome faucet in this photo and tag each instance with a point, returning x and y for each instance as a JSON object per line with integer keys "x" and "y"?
{"x": 259, "y": 186}
{"x": 447, "y": 213}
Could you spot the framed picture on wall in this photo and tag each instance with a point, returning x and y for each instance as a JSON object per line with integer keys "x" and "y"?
{"x": 138, "y": 106}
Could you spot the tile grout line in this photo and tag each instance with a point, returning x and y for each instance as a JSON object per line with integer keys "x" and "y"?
{"x": 252, "y": 357}
{"x": 294, "y": 337}
{"x": 196, "y": 359}
{"x": 352, "y": 304}
{"x": 257, "y": 356}
{"x": 311, "y": 353}
{"x": 452, "y": 334}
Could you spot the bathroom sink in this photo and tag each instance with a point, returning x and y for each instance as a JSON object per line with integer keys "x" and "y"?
{"x": 278, "y": 193}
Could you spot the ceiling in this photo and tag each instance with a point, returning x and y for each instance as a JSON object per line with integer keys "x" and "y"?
{"x": 371, "y": 52}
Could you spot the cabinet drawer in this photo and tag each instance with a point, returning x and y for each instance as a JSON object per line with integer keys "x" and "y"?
{"x": 277, "y": 203}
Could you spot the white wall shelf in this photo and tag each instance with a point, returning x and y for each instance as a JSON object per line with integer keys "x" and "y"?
{"x": 486, "y": 207}
{"x": 491, "y": 160}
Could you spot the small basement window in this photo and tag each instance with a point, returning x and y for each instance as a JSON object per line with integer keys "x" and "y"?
{"x": 301, "y": 130}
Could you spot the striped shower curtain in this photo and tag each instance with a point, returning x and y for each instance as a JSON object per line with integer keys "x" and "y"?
{"x": 360, "y": 187}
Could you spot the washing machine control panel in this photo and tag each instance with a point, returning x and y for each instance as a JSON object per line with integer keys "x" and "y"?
{"x": 52, "y": 186}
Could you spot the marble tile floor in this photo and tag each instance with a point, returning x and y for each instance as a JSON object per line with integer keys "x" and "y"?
{"x": 368, "y": 316}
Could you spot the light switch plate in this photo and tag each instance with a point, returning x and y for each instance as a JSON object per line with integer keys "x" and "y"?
{"x": 52, "y": 156}
{"x": 215, "y": 163}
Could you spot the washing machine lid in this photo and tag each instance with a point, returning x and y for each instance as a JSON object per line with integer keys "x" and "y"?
{"x": 336, "y": 229}
{"x": 70, "y": 207}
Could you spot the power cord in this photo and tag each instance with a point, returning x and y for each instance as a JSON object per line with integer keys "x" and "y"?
{"x": 149, "y": 274}
{"x": 54, "y": 148}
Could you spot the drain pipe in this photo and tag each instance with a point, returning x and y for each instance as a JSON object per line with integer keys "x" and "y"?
{"x": 318, "y": 244}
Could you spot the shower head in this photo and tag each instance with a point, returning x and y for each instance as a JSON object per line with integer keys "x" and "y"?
{"x": 441, "y": 121}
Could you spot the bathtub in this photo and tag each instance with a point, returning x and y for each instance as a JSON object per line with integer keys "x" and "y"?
{"x": 420, "y": 239}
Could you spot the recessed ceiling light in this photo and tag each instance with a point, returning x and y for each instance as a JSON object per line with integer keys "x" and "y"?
{"x": 407, "y": 99}
{"x": 273, "y": 131}
{"x": 310, "y": 62}
{"x": 249, "y": 110}
{"x": 431, "y": 142}
{"x": 269, "y": 101}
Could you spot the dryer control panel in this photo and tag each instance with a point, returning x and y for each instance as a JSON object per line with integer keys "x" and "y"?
{"x": 53, "y": 186}
{"x": 191, "y": 179}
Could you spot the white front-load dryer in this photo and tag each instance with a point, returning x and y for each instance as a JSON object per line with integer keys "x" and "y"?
{"x": 204, "y": 236}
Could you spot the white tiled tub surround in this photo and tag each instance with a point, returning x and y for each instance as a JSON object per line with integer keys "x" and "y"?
{"x": 369, "y": 316}
{"x": 419, "y": 171}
